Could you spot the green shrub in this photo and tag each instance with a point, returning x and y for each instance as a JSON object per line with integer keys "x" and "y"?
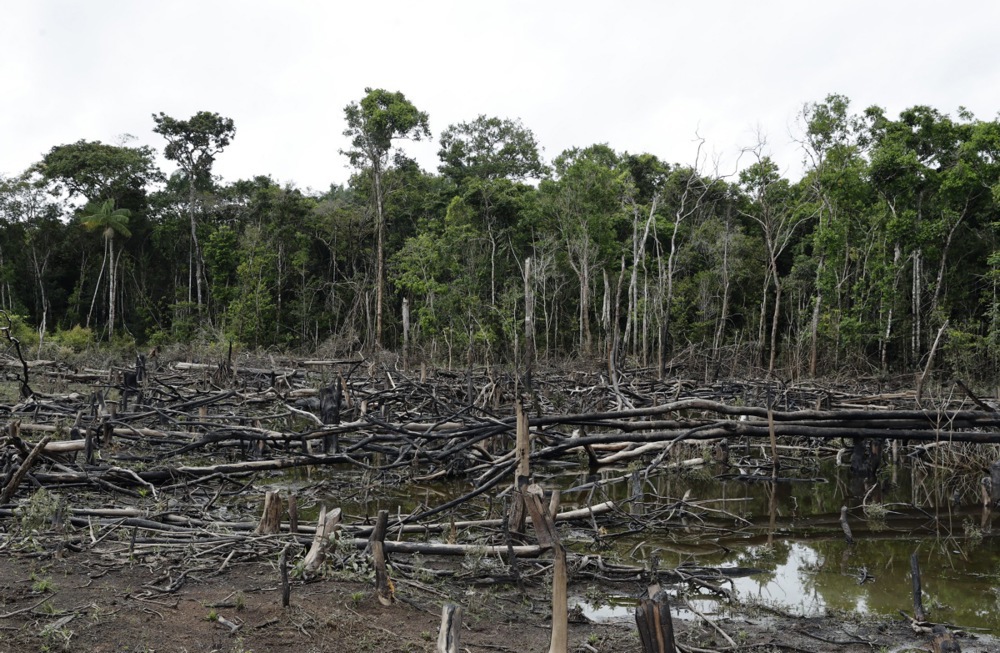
{"x": 78, "y": 338}
{"x": 20, "y": 329}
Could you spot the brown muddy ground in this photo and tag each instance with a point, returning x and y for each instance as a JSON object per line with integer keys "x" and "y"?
{"x": 83, "y": 602}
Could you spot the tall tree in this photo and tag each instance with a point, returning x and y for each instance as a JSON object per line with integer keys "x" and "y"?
{"x": 193, "y": 144}
{"x": 98, "y": 172}
{"x": 34, "y": 228}
{"x": 104, "y": 217}
{"x": 584, "y": 203}
{"x": 372, "y": 125}
{"x": 836, "y": 186}
{"x": 489, "y": 148}
{"x": 486, "y": 158}
{"x": 773, "y": 208}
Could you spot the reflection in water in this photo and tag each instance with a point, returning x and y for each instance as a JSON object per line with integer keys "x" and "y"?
{"x": 790, "y": 530}
{"x": 788, "y": 586}
{"x": 796, "y": 539}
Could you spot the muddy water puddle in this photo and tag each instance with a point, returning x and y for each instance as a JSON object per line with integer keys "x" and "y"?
{"x": 791, "y": 532}
{"x": 788, "y": 534}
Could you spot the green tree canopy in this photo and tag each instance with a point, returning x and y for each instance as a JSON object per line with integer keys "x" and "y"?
{"x": 489, "y": 148}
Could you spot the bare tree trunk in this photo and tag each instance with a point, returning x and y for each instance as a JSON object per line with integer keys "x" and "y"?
{"x": 762, "y": 325}
{"x": 43, "y": 297}
{"x": 645, "y": 322}
{"x": 379, "y": 253}
{"x": 195, "y": 248}
{"x": 939, "y": 281}
{"x": 774, "y": 324}
{"x": 814, "y": 322}
{"x": 915, "y": 337}
{"x": 588, "y": 337}
{"x": 111, "y": 291}
{"x": 884, "y": 353}
{"x": 529, "y": 317}
{"x": 638, "y": 258}
{"x": 724, "y": 313}
{"x": 97, "y": 285}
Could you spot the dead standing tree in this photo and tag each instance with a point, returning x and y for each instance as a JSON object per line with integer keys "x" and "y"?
{"x": 773, "y": 207}
{"x": 8, "y": 335}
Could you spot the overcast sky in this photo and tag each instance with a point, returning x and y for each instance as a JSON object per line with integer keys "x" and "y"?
{"x": 641, "y": 76}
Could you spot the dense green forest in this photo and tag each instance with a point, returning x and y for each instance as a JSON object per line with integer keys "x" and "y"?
{"x": 887, "y": 244}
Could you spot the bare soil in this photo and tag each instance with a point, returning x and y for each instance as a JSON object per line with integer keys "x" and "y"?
{"x": 86, "y": 602}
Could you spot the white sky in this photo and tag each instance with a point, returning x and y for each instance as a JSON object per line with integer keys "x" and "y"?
{"x": 641, "y": 76}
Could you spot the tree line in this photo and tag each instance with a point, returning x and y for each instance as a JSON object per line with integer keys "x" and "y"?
{"x": 886, "y": 245}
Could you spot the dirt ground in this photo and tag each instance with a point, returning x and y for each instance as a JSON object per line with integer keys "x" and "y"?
{"x": 81, "y": 602}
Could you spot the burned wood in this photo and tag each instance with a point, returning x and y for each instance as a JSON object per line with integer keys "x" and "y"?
{"x": 918, "y": 599}
{"x": 383, "y": 587}
{"x": 26, "y": 392}
{"x": 187, "y": 446}
{"x": 995, "y": 485}
{"x": 943, "y": 641}
{"x": 656, "y": 628}
{"x": 286, "y": 589}
{"x": 449, "y": 634}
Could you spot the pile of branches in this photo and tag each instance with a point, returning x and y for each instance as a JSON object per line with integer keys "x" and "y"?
{"x": 198, "y": 432}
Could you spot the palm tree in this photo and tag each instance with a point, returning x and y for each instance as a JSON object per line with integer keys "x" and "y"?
{"x": 109, "y": 220}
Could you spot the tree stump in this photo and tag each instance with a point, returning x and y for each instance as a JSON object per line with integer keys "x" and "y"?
{"x": 652, "y": 616}
{"x": 270, "y": 521}
{"x": 451, "y": 627}
{"x": 383, "y": 587}
{"x": 325, "y": 526}
{"x": 943, "y": 641}
{"x": 541, "y": 519}
{"x": 560, "y": 606}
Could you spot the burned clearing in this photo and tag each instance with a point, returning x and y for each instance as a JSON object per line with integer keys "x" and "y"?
{"x": 282, "y": 504}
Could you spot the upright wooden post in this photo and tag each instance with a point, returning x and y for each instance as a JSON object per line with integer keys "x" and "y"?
{"x": 106, "y": 425}
{"x": 560, "y": 606}
{"x": 293, "y": 513}
{"x": 918, "y": 601}
{"x": 522, "y": 452}
{"x": 635, "y": 483}
{"x": 775, "y": 462}
{"x": 529, "y": 325}
{"x": 406, "y": 333}
{"x": 451, "y": 628}
{"x": 286, "y": 590}
{"x": 88, "y": 446}
{"x": 383, "y": 587}
{"x": 995, "y": 484}
{"x": 652, "y": 616}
